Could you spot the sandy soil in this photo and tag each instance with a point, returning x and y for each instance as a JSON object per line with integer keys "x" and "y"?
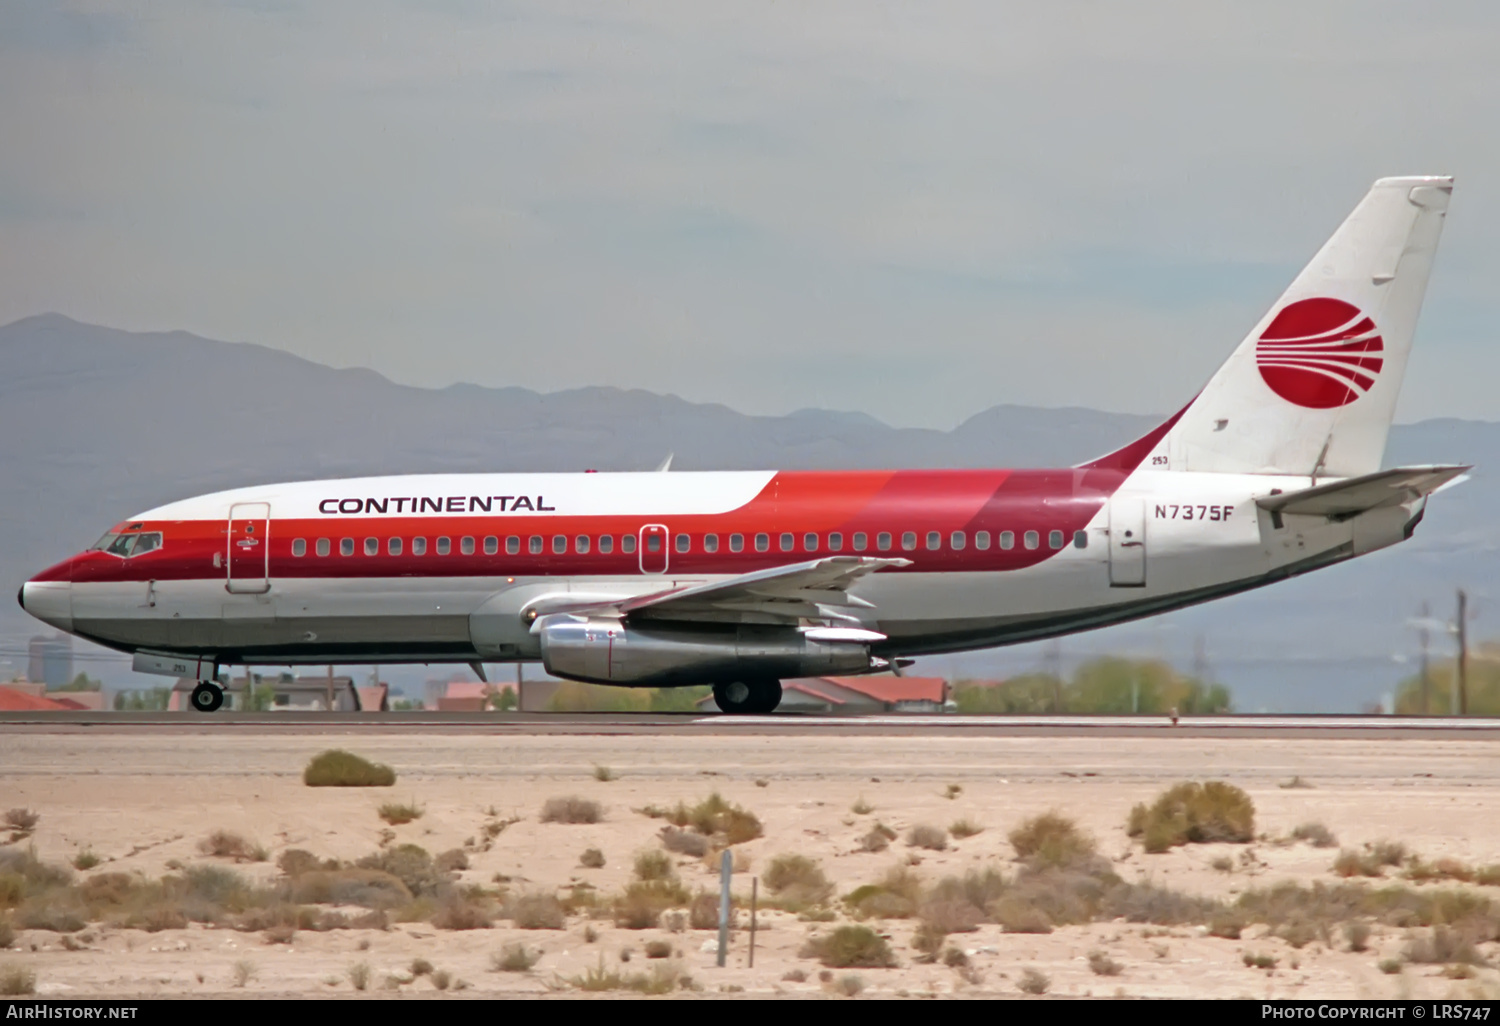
{"x": 141, "y": 800}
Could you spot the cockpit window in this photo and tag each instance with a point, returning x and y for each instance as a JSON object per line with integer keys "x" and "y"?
{"x": 127, "y": 545}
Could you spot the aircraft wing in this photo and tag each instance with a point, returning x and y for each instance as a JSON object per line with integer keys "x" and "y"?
{"x": 1355, "y": 495}
{"x": 816, "y": 589}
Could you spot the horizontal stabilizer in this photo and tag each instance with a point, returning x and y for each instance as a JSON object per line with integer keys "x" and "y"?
{"x": 1355, "y": 495}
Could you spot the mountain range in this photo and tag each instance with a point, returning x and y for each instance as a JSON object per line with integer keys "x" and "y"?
{"x": 101, "y": 423}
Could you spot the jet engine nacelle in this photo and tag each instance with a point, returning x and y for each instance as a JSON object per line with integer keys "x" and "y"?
{"x": 611, "y": 652}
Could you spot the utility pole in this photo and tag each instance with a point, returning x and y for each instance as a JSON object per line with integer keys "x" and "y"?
{"x": 330, "y": 688}
{"x": 520, "y": 688}
{"x": 1426, "y": 677}
{"x": 1463, "y": 654}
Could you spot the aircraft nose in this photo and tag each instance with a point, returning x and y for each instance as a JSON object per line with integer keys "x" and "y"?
{"x": 49, "y": 601}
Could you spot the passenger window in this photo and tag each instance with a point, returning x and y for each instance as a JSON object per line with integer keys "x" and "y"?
{"x": 736, "y": 543}
{"x": 512, "y": 546}
{"x": 860, "y": 541}
{"x": 762, "y": 542}
{"x": 393, "y": 546}
{"x": 710, "y": 543}
{"x": 653, "y": 543}
{"x": 372, "y": 546}
{"x": 606, "y": 544}
{"x": 443, "y": 546}
{"x": 883, "y": 541}
{"x": 534, "y": 545}
{"x": 559, "y": 544}
{"x": 934, "y": 540}
{"x": 787, "y": 541}
{"x": 1032, "y": 539}
{"x": 1054, "y": 539}
{"x": 1007, "y": 539}
{"x": 684, "y": 543}
{"x": 835, "y": 541}
{"x": 419, "y": 546}
{"x": 1080, "y": 539}
{"x": 909, "y": 540}
{"x": 346, "y": 546}
{"x": 981, "y": 539}
{"x": 957, "y": 540}
{"x": 491, "y": 545}
{"x": 466, "y": 545}
{"x": 581, "y": 544}
{"x": 810, "y": 542}
{"x": 323, "y": 546}
{"x": 627, "y": 543}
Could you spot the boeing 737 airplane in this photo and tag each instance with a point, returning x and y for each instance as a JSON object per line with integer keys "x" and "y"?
{"x": 738, "y": 580}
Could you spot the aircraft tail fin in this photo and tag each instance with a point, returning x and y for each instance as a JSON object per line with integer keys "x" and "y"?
{"x": 1312, "y": 389}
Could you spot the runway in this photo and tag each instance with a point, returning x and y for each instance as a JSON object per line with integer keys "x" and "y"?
{"x": 695, "y": 724}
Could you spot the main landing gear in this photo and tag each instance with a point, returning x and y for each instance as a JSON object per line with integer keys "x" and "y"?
{"x": 208, "y": 697}
{"x": 748, "y": 696}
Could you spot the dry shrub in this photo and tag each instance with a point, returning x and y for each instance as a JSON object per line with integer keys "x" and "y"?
{"x": 295, "y": 861}
{"x": 537, "y": 910}
{"x": 367, "y": 888}
{"x": 1488, "y": 876}
{"x": 592, "y": 858}
{"x": 684, "y": 842}
{"x": 861, "y": 807}
{"x": 654, "y": 865}
{"x": 1033, "y": 982}
{"x": 1016, "y": 913}
{"x": 514, "y": 958}
{"x": 641, "y": 905}
{"x": 454, "y": 860}
{"x": 338, "y": 768}
{"x": 460, "y": 912}
{"x": 21, "y": 822}
{"x": 7, "y": 933}
{"x": 963, "y": 828}
{"x": 878, "y": 839}
{"x": 161, "y": 917}
{"x": 850, "y": 947}
{"x": 280, "y": 934}
{"x": 1388, "y": 853}
{"x": 703, "y": 913}
{"x": 571, "y": 809}
{"x": 715, "y": 817}
{"x": 1194, "y": 813}
{"x": 1051, "y": 839}
{"x": 397, "y": 813}
{"x": 1352, "y": 863}
{"x": 929, "y": 837}
{"x": 896, "y": 896}
{"x": 359, "y": 975}
{"x": 224, "y": 844}
{"x": 1102, "y": 965}
{"x": 1357, "y": 933}
{"x": 658, "y": 949}
{"x": 797, "y": 882}
{"x": 1444, "y": 944}
{"x": 1149, "y": 903}
{"x": 1315, "y": 834}
{"x": 409, "y": 863}
{"x": 17, "y": 980}
{"x": 1229, "y": 924}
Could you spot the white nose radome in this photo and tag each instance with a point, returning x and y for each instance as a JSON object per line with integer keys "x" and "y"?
{"x": 49, "y": 601}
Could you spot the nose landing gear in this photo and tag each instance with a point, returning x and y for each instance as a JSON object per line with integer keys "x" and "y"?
{"x": 748, "y": 696}
{"x": 208, "y": 697}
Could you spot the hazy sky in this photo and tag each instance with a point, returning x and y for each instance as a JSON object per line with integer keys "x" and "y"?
{"x": 916, "y": 210}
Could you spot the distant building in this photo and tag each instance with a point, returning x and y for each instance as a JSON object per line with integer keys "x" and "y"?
{"x": 51, "y": 660}
{"x": 21, "y": 698}
{"x": 856, "y": 695}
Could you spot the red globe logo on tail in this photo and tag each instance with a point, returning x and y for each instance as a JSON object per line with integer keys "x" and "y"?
{"x": 1320, "y": 353}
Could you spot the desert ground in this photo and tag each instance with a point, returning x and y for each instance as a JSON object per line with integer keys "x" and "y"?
{"x": 144, "y": 801}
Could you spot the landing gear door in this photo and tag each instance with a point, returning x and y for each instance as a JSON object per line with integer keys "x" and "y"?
{"x": 249, "y": 552}
{"x": 1127, "y": 543}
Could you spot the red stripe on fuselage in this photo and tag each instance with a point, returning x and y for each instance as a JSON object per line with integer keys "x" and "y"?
{"x": 797, "y": 503}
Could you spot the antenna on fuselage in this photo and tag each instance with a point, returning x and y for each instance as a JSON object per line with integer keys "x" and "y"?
{"x": 666, "y": 464}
